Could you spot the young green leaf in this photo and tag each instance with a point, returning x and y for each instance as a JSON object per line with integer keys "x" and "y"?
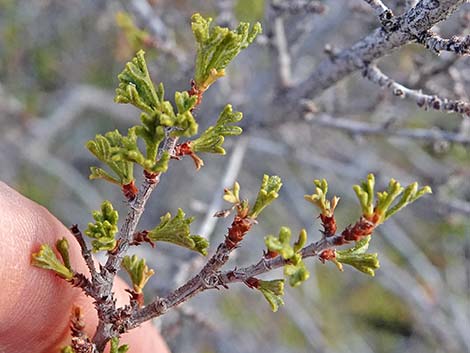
{"x": 281, "y": 243}
{"x": 138, "y": 271}
{"x": 365, "y": 194}
{"x": 319, "y": 199}
{"x": 105, "y": 149}
{"x": 358, "y": 258}
{"x": 176, "y": 230}
{"x": 268, "y": 192}
{"x": 136, "y": 86}
{"x": 131, "y": 153}
{"x": 212, "y": 139}
{"x": 217, "y": 47}
{"x": 47, "y": 259}
{"x": 273, "y": 292}
{"x": 62, "y": 246}
{"x": 104, "y": 228}
{"x": 115, "y": 348}
{"x": 67, "y": 349}
{"x": 410, "y": 194}
{"x": 233, "y": 195}
{"x": 184, "y": 122}
{"x": 296, "y": 271}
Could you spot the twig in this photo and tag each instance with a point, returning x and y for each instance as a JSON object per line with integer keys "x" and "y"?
{"x": 363, "y": 128}
{"x": 384, "y": 14}
{"x": 85, "y": 251}
{"x": 298, "y": 6}
{"x": 456, "y": 45}
{"x": 423, "y": 100}
{"x": 379, "y": 43}
{"x": 284, "y": 60}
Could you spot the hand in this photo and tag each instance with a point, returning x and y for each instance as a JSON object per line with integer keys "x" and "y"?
{"x": 35, "y": 305}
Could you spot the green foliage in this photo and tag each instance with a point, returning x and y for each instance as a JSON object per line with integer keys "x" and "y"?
{"x": 212, "y": 139}
{"x": 106, "y": 149}
{"x": 358, "y": 258}
{"x": 62, "y": 246}
{"x": 273, "y": 292}
{"x": 138, "y": 271}
{"x": 67, "y": 349}
{"x": 383, "y": 208}
{"x": 232, "y": 195}
{"x": 267, "y": 194}
{"x": 281, "y": 243}
{"x": 365, "y": 194}
{"x": 136, "y": 88}
{"x": 176, "y": 230}
{"x": 46, "y": 258}
{"x": 131, "y": 153}
{"x": 217, "y": 47}
{"x": 104, "y": 229}
{"x": 184, "y": 122}
{"x": 295, "y": 269}
{"x": 115, "y": 348}
{"x": 319, "y": 199}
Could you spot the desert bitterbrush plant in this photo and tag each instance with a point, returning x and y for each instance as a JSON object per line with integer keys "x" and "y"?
{"x": 169, "y": 131}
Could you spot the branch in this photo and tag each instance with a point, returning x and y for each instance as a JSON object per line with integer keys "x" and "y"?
{"x": 283, "y": 56}
{"x": 362, "y": 128}
{"x": 379, "y": 43}
{"x": 456, "y": 45}
{"x": 384, "y": 14}
{"x": 298, "y": 6}
{"x": 423, "y": 100}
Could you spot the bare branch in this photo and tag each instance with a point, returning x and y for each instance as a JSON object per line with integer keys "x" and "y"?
{"x": 423, "y": 100}
{"x": 379, "y": 43}
{"x": 362, "y": 128}
{"x": 298, "y": 6}
{"x": 457, "y": 45}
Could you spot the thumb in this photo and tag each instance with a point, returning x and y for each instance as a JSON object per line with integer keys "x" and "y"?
{"x": 35, "y": 304}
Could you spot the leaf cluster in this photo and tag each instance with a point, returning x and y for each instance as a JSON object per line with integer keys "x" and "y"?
{"x": 295, "y": 269}
{"x": 138, "y": 271}
{"x": 176, "y": 230}
{"x": 217, "y": 47}
{"x": 358, "y": 258}
{"x": 104, "y": 229}
{"x": 383, "y": 209}
{"x": 47, "y": 259}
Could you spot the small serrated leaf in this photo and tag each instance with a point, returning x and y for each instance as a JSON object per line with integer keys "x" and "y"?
{"x": 138, "y": 271}
{"x": 176, "y": 230}
{"x": 104, "y": 229}
{"x": 217, "y": 47}
{"x": 273, "y": 292}
{"x": 268, "y": 192}
{"x": 212, "y": 139}
{"x": 46, "y": 258}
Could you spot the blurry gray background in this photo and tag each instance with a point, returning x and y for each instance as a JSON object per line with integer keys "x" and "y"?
{"x": 58, "y": 67}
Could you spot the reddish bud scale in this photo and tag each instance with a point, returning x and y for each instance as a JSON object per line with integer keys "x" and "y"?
{"x": 327, "y": 255}
{"x": 360, "y": 229}
{"x": 270, "y": 254}
{"x": 130, "y": 191}
{"x": 151, "y": 177}
{"x": 140, "y": 237}
{"x": 185, "y": 149}
{"x": 136, "y": 297}
{"x": 329, "y": 225}
{"x": 240, "y": 226}
{"x": 252, "y": 282}
{"x": 195, "y": 91}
